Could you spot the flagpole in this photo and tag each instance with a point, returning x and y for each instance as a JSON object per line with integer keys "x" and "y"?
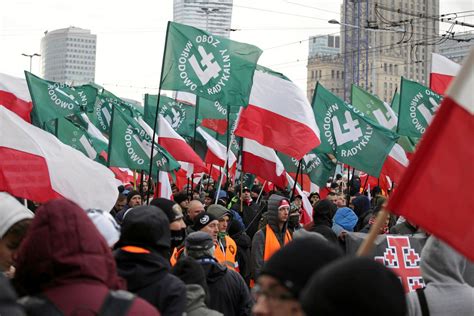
{"x": 365, "y": 184}
{"x": 228, "y": 142}
{"x": 368, "y": 243}
{"x": 196, "y": 115}
{"x": 399, "y": 103}
{"x": 261, "y": 191}
{"x": 141, "y": 182}
{"x": 296, "y": 180}
{"x": 220, "y": 182}
{"x": 150, "y": 170}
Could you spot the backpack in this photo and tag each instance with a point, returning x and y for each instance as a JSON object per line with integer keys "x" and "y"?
{"x": 116, "y": 303}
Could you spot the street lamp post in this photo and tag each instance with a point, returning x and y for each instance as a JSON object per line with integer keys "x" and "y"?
{"x": 208, "y": 11}
{"x": 31, "y": 57}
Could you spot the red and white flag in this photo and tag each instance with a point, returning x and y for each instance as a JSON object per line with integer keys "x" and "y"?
{"x": 279, "y": 116}
{"x": 263, "y": 161}
{"x": 395, "y": 164}
{"x": 164, "y": 186}
{"x": 441, "y": 167}
{"x": 307, "y": 215}
{"x": 15, "y": 96}
{"x": 216, "y": 152}
{"x": 443, "y": 70}
{"x": 177, "y": 146}
{"x": 35, "y": 165}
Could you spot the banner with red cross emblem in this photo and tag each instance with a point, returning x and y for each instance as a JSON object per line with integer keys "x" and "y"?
{"x": 396, "y": 252}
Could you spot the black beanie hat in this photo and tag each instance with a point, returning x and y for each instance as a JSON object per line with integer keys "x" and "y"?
{"x": 324, "y": 208}
{"x": 180, "y": 197}
{"x": 202, "y": 220}
{"x": 354, "y": 286}
{"x": 132, "y": 194}
{"x": 295, "y": 262}
{"x": 190, "y": 272}
{"x": 167, "y": 207}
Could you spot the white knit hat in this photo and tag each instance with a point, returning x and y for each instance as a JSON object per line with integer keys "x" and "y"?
{"x": 106, "y": 225}
{"x": 11, "y": 212}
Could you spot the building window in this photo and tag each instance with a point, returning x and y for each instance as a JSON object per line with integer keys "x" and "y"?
{"x": 337, "y": 74}
{"x": 332, "y": 74}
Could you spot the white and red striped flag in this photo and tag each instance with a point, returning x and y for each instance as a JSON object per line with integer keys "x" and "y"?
{"x": 263, "y": 162}
{"x": 279, "y": 116}
{"x": 443, "y": 70}
{"x": 441, "y": 167}
{"x": 395, "y": 164}
{"x": 14, "y": 95}
{"x": 35, "y": 165}
{"x": 307, "y": 215}
{"x": 216, "y": 152}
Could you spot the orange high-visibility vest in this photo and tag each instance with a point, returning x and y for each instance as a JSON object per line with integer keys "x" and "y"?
{"x": 227, "y": 257}
{"x": 271, "y": 242}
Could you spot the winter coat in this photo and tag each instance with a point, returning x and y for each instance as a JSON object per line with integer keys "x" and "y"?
{"x": 8, "y": 305}
{"x": 322, "y": 220}
{"x": 66, "y": 259}
{"x": 148, "y": 276}
{"x": 258, "y": 241}
{"x": 195, "y": 305}
{"x": 250, "y": 216}
{"x": 147, "y": 270}
{"x": 227, "y": 290}
{"x": 404, "y": 228}
{"x": 449, "y": 282}
{"x": 244, "y": 244}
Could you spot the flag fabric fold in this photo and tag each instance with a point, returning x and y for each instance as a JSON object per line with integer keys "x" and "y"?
{"x": 443, "y": 159}
{"x": 14, "y": 95}
{"x": 279, "y": 116}
{"x": 442, "y": 73}
{"x": 216, "y": 152}
{"x": 35, "y": 165}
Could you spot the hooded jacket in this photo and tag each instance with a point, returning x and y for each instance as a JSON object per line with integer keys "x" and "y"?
{"x": 145, "y": 268}
{"x": 258, "y": 241}
{"x": 227, "y": 290}
{"x": 448, "y": 277}
{"x": 195, "y": 305}
{"x": 66, "y": 259}
{"x": 244, "y": 244}
{"x": 322, "y": 220}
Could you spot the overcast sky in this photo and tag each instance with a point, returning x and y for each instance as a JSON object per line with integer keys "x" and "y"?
{"x": 131, "y": 34}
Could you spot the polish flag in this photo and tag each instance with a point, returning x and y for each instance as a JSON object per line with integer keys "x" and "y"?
{"x": 216, "y": 152}
{"x": 35, "y": 165}
{"x": 15, "y": 96}
{"x": 307, "y": 215}
{"x": 264, "y": 162}
{"x": 279, "y": 116}
{"x": 395, "y": 164}
{"x": 163, "y": 189}
{"x": 443, "y": 71}
{"x": 440, "y": 168}
{"x": 177, "y": 146}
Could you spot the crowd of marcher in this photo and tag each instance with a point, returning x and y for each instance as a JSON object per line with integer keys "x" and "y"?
{"x": 234, "y": 251}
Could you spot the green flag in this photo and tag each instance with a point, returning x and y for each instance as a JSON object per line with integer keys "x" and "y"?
{"x": 207, "y": 65}
{"x": 317, "y": 166}
{"x": 408, "y": 143}
{"x": 179, "y": 115}
{"x": 53, "y": 100}
{"x": 130, "y": 146}
{"x": 416, "y": 108}
{"x": 349, "y": 135}
{"x": 373, "y": 108}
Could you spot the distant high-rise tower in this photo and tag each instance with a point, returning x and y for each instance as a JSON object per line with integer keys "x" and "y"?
{"x": 212, "y": 16}
{"x": 68, "y": 55}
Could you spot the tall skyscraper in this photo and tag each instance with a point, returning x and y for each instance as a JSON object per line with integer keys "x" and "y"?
{"x": 68, "y": 55}
{"x": 212, "y": 16}
{"x": 324, "y": 45}
{"x": 382, "y": 41}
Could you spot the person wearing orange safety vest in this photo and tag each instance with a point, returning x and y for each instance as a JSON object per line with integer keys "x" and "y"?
{"x": 226, "y": 248}
{"x": 273, "y": 236}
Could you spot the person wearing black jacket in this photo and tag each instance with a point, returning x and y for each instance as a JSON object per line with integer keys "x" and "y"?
{"x": 250, "y": 212}
{"x": 228, "y": 292}
{"x": 142, "y": 260}
{"x": 322, "y": 219}
{"x": 244, "y": 244}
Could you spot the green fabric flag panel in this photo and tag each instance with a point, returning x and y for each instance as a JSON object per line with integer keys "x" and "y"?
{"x": 130, "y": 146}
{"x": 317, "y": 166}
{"x": 210, "y": 66}
{"x": 179, "y": 115}
{"x": 349, "y": 135}
{"x": 417, "y": 106}
{"x": 53, "y": 100}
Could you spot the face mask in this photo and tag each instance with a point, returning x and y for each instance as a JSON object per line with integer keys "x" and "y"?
{"x": 177, "y": 237}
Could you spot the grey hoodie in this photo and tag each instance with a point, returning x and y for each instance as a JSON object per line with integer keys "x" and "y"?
{"x": 448, "y": 277}
{"x": 195, "y": 305}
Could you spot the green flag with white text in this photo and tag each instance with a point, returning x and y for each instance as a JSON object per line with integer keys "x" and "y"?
{"x": 179, "y": 115}
{"x": 53, "y": 100}
{"x": 210, "y": 66}
{"x": 130, "y": 146}
{"x": 317, "y": 166}
{"x": 408, "y": 143}
{"x": 416, "y": 108}
{"x": 349, "y": 135}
